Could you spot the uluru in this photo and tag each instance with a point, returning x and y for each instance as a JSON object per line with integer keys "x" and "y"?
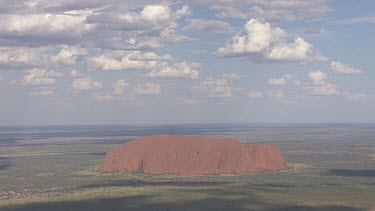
{"x": 187, "y": 155}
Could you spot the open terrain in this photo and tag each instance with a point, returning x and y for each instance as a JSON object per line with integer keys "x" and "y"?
{"x": 54, "y": 168}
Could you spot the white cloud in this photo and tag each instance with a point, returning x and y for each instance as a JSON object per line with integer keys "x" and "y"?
{"x": 324, "y": 89}
{"x": 16, "y": 57}
{"x": 255, "y": 94}
{"x": 178, "y": 70}
{"x": 260, "y": 42}
{"x": 319, "y": 84}
{"x": 126, "y": 60}
{"x": 284, "y": 80}
{"x": 205, "y": 25}
{"x": 225, "y": 11}
{"x": 146, "y": 89}
{"x": 128, "y": 25}
{"x": 119, "y": 87}
{"x": 118, "y": 91}
{"x": 43, "y": 28}
{"x": 338, "y": 67}
{"x": 318, "y": 77}
{"x": 297, "y": 51}
{"x": 68, "y": 55}
{"x": 83, "y": 83}
{"x": 184, "y": 11}
{"x": 148, "y": 56}
{"x": 277, "y": 81}
{"x": 39, "y": 77}
{"x": 147, "y": 29}
{"x": 218, "y": 87}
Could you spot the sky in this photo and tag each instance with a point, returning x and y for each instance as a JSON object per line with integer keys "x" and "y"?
{"x": 203, "y": 61}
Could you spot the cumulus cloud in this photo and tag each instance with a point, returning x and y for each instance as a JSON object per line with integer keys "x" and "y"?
{"x": 68, "y": 55}
{"x": 277, "y": 81}
{"x": 319, "y": 84}
{"x": 21, "y": 57}
{"x": 318, "y": 77}
{"x": 117, "y": 92}
{"x": 147, "y": 29}
{"x": 284, "y": 80}
{"x": 122, "y": 91}
{"x": 205, "y": 25}
{"x": 39, "y": 77}
{"x": 82, "y": 82}
{"x": 184, "y": 11}
{"x": 218, "y": 87}
{"x": 258, "y": 41}
{"x": 126, "y": 60}
{"x": 338, "y": 67}
{"x": 119, "y": 87}
{"x": 146, "y": 89}
{"x": 129, "y": 25}
{"x": 33, "y": 29}
{"x": 156, "y": 17}
{"x": 178, "y": 70}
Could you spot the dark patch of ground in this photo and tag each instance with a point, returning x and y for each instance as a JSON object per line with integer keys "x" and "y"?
{"x": 4, "y": 163}
{"x": 352, "y": 173}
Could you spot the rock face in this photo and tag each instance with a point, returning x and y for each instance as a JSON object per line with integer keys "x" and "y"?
{"x": 191, "y": 155}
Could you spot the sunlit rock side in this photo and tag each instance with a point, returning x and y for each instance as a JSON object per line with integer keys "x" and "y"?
{"x": 191, "y": 155}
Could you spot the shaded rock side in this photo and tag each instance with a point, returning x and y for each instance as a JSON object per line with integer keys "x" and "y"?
{"x": 191, "y": 155}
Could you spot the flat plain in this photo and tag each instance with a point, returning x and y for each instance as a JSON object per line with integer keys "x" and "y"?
{"x": 54, "y": 168}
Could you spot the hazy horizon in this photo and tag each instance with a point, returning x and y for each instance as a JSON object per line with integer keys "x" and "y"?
{"x": 249, "y": 124}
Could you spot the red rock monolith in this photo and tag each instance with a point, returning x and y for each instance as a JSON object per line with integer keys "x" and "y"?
{"x": 191, "y": 155}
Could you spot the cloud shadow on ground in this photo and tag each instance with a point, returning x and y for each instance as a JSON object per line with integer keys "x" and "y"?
{"x": 4, "y": 163}
{"x": 236, "y": 200}
{"x": 352, "y": 173}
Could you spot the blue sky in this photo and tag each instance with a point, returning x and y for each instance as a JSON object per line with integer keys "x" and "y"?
{"x": 110, "y": 62}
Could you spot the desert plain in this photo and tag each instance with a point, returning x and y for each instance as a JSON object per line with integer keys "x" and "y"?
{"x": 55, "y": 168}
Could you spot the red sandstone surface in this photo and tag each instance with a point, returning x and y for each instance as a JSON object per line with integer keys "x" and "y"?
{"x": 191, "y": 155}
